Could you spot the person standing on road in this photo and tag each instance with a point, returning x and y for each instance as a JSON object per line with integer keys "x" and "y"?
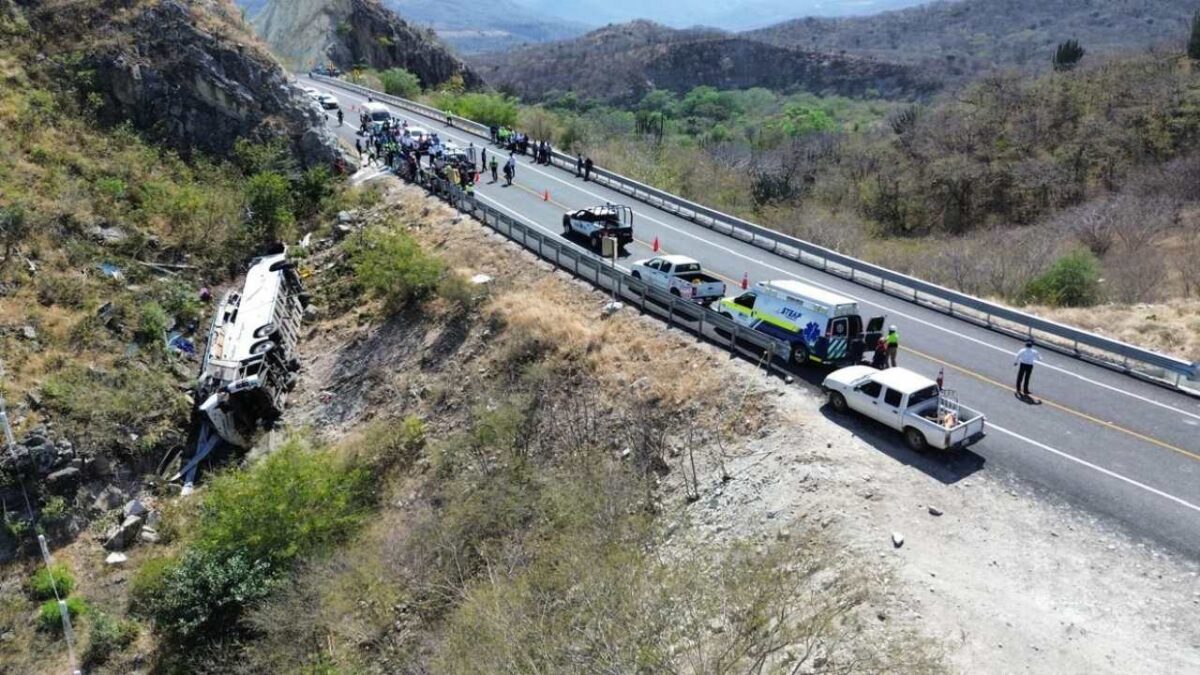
{"x": 893, "y": 345}
{"x": 587, "y": 169}
{"x": 579, "y": 166}
{"x": 358, "y": 146}
{"x": 341, "y": 117}
{"x": 495, "y": 167}
{"x": 510, "y": 168}
{"x": 880, "y": 360}
{"x": 1024, "y": 362}
{"x": 483, "y": 159}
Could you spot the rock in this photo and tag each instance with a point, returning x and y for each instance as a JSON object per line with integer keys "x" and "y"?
{"x": 716, "y": 626}
{"x": 897, "y": 539}
{"x": 116, "y": 559}
{"x": 64, "y": 481}
{"x": 149, "y": 536}
{"x": 108, "y": 235}
{"x": 29, "y": 332}
{"x": 154, "y": 519}
{"x": 135, "y": 507}
{"x": 108, "y": 499}
{"x": 935, "y": 511}
{"x": 122, "y": 536}
{"x": 344, "y": 217}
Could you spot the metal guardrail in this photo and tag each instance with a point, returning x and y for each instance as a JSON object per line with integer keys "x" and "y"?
{"x": 1135, "y": 361}
{"x": 694, "y": 318}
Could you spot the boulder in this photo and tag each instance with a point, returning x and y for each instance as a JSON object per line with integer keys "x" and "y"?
{"x": 122, "y": 536}
{"x": 64, "y": 481}
{"x": 108, "y": 499}
{"x": 116, "y": 559}
{"x": 29, "y": 332}
{"x": 135, "y": 507}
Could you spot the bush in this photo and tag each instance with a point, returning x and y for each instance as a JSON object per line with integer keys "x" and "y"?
{"x": 487, "y": 109}
{"x": 148, "y": 582}
{"x": 459, "y": 292}
{"x": 152, "y": 323}
{"x": 392, "y": 266}
{"x": 293, "y": 501}
{"x": 1072, "y": 281}
{"x": 400, "y": 82}
{"x": 41, "y": 588}
{"x": 203, "y": 597}
{"x": 107, "y": 636}
{"x": 269, "y": 199}
{"x": 50, "y": 618}
{"x": 65, "y": 290}
{"x": 312, "y": 189}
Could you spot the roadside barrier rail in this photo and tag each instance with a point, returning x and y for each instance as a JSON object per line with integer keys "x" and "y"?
{"x": 1144, "y": 364}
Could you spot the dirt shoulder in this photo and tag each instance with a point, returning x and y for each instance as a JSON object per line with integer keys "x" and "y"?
{"x": 1003, "y": 579}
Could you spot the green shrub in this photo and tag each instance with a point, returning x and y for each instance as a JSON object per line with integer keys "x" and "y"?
{"x": 50, "y": 618}
{"x": 42, "y": 588}
{"x": 106, "y": 637}
{"x": 483, "y": 108}
{"x": 392, "y": 265}
{"x": 152, "y": 323}
{"x": 203, "y": 597}
{"x": 459, "y": 292}
{"x": 54, "y": 509}
{"x": 1072, "y": 281}
{"x": 313, "y": 188}
{"x": 400, "y": 82}
{"x": 269, "y": 199}
{"x": 149, "y": 582}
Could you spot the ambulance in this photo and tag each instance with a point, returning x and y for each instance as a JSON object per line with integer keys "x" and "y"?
{"x": 821, "y": 326}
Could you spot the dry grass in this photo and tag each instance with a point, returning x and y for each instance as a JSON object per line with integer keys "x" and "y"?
{"x": 1171, "y": 327}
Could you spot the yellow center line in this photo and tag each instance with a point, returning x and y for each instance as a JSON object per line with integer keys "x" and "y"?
{"x": 1060, "y": 407}
{"x": 982, "y": 378}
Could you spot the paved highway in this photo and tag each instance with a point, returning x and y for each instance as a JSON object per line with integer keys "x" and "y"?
{"x": 1100, "y": 440}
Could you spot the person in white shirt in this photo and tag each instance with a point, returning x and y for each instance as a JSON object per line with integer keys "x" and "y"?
{"x": 1024, "y": 361}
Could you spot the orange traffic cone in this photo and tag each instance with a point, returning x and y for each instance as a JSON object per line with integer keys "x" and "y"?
{"x": 745, "y": 281}
{"x": 546, "y": 196}
{"x": 655, "y": 247}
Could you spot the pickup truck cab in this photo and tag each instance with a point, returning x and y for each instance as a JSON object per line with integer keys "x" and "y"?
{"x": 680, "y": 276}
{"x": 907, "y": 402}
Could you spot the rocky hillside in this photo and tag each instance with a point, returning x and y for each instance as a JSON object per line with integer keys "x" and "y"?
{"x": 621, "y": 63}
{"x": 188, "y": 73}
{"x": 305, "y": 33}
{"x": 960, "y": 39}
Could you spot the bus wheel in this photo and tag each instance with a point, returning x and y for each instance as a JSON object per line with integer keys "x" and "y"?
{"x": 800, "y": 355}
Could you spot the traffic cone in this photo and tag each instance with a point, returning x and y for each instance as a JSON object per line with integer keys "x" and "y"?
{"x": 655, "y": 247}
{"x": 745, "y": 280}
{"x": 546, "y": 196}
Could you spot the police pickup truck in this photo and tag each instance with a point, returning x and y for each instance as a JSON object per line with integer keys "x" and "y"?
{"x": 914, "y": 405}
{"x": 680, "y": 276}
{"x": 599, "y": 222}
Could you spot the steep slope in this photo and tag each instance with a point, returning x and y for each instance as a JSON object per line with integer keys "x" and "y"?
{"x": 732, "y": 14}
{"x": 967, "y": 37}
{"x": 621, "y": 63}
{"x": 188, "y": 73}
{"x": 304, "y": 33}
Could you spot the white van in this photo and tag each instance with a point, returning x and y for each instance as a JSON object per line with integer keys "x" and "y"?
{"x": 378, "y": 113}
{"x": 822, "y": 327}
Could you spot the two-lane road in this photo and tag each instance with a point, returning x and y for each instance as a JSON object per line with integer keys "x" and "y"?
{"x": 1112, "y": 444}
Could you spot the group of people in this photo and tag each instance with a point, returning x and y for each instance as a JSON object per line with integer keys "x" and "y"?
{"x": 886, "y": 349}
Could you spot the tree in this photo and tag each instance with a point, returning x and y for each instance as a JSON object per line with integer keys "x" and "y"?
{"x": 1068, "y": 55}
{"x": 269, "y": 200}
{"x": 1194, "y": 40}
{"x": 400, "y": 82}
{"x": 1072, "y": 281}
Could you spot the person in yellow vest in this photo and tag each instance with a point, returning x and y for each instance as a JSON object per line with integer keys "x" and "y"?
{"x": 893, "y": 345}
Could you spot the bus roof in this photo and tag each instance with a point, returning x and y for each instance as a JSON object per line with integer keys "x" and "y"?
{"x": 801, "y": 291}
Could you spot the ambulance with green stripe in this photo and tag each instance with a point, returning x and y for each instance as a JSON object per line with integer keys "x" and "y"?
{"x": 822, "y": 327}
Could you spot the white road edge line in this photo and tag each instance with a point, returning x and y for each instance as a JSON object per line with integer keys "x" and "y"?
{"x": 1095, "y": 467}
{"x": 809, "y": 280}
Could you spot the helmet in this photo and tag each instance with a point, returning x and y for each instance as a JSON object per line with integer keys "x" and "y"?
{"x": 892, "y": 328}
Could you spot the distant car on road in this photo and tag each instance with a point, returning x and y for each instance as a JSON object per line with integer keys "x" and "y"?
{"x": 680, "y": 276}
{"x": 598, "y": 222}
{"x": 328, "y": 101}
{"x": 908, "y": 402}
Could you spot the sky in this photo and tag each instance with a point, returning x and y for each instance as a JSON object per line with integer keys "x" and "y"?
{"x": 727, "y": 14}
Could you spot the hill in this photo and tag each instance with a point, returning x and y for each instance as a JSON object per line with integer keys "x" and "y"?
{"x": 730, "y": 15}
{"x": 620, "y": 63}
{"x": 489, "y": 26}
{"x": 960, "y": 39}
{"x": 349, "y": 33}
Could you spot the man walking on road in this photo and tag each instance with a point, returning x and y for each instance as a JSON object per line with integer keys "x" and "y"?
{"x": 1024, "y": 362}
{"x": 893, "y": 345}
{"x": 587, "y": 169}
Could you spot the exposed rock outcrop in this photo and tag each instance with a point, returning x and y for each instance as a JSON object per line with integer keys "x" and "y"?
{"x": 187, "y": 73}
{"x": 306, "y": 33}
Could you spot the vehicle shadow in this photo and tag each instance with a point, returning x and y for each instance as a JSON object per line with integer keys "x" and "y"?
{"x": 945, "y": 466}
{"x": 581, "y": 241}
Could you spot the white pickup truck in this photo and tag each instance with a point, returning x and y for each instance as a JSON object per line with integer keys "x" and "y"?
{"x": 680, "y": 276}
{"x": 907, "y": 402}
